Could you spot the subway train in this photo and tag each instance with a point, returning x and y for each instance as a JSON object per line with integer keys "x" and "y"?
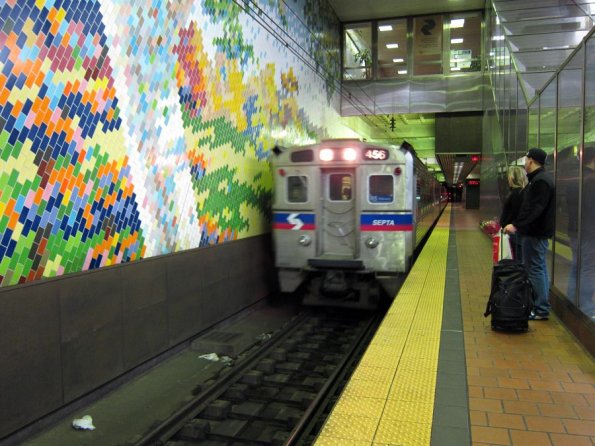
{"x": 347, "y": 217}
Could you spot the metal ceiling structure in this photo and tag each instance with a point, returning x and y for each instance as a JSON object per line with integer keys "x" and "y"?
{"x": 534, "y": 38}
{"x": 541, "y": 35}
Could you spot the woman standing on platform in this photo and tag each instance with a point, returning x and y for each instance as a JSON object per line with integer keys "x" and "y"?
{"x": 517, "y": 180}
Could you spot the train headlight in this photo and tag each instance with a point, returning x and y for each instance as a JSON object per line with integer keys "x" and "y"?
{"x": 349, "y": 154}
{"x": 326, "y": 155}
{"x": 371, "y": 242}
{"x": 304, "y": 240}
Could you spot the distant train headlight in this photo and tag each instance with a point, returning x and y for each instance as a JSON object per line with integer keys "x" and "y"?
{"x": 304, "y": 240}
{"x": 349, "y": 154}
{"x": 371, "y": 242}
{"x": 326, "y": 155}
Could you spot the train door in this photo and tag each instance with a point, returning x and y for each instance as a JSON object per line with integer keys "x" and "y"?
{"x": 338, "y": 230}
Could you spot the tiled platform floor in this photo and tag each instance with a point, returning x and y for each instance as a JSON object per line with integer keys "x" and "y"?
{"x": 532, "y": 389}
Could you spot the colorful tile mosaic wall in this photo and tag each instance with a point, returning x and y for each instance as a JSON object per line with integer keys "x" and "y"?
{"x": 130, "y": 129}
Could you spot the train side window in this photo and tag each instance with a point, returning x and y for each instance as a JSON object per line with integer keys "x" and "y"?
{"x": 340, "y": 186}
{"x": 297, "y": 189}
{"x": 380, "y": 189}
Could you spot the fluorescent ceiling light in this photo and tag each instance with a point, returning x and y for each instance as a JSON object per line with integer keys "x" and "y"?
{"x": 497, "y": 37}
{"x": 392, "y": 45}
{"x": 455, "y": 69}
{"x": 402, "y": 72}
{"x": 385, "y": 28}
{"x": 458, "y": 167}
{"x": 457, "y": 23}
{"x": 561, "y": 47}
{"x": 398, "y": 60}
{"x": 458, "y": 40}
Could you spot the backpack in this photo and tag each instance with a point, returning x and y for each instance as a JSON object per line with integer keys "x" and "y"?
{"x": 511, "y": 297}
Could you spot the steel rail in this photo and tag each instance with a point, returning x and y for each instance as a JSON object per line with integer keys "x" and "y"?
{"x": 303, "y": 427}
{"x": 171, "y": 425}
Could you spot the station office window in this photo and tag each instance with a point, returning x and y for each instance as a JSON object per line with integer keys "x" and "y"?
{"x": 392, "y": 48}
{"x": 465, "y": 42}
{"x": 422, "y": 45}
{"x": 357, "y": 51}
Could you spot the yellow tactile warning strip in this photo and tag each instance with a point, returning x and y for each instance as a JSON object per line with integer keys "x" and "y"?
{"x": 390, "y": 397}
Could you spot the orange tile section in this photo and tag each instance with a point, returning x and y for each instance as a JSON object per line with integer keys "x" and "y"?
{"x": 533, "y": 389}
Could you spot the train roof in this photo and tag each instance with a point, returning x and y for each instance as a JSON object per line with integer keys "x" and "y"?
{"x": 363, "y": 151}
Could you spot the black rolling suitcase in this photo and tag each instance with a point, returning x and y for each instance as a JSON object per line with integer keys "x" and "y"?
{"x": 511, "y": 297}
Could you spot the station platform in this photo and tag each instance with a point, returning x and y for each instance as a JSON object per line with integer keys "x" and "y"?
{"x": 436, "y": 374}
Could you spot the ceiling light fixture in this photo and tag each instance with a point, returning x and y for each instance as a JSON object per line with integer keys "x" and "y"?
{"x": 398, "y": 60}
{"x": 458, "y": 167}
{"x": 457, "y": 40}
{"x": 390, "y": 46}
{"x": 457, "y": 23}
{"x": 561, "y": 47}
{"x": 385, "y": 27}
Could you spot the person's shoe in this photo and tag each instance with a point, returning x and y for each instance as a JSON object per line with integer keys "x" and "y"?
{"x": 537, "y": 317}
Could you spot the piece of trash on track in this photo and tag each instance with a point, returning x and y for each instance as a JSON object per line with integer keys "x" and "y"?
{"x": 216, "y": 358}
{"x": 264, "y": 336}
{"x": 83, "y": 424}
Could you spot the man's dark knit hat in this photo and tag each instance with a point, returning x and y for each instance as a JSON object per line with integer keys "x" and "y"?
{"x": 537, "y": 154}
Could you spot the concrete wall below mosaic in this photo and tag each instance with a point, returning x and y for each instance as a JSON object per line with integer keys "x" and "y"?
{"x": 63, "y": 338}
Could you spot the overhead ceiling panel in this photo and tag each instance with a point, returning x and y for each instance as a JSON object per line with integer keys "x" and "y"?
{"x": 542, "y": 26}
{"x": 545, "y": 60}
{"x": 531, "y": 10}
{"x": 534, "y": 81}
{"x": 541, "y": 35}
{"x": 549, "y": 41}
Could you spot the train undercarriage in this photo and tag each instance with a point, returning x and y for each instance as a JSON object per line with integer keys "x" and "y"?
{"x": 350, "y": 289}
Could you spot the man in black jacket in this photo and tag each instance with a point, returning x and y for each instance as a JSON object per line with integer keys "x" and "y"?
{"x": 535, "y": 223}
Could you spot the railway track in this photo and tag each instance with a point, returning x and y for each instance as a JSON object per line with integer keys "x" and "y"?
{"x": 275, "y": 394}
